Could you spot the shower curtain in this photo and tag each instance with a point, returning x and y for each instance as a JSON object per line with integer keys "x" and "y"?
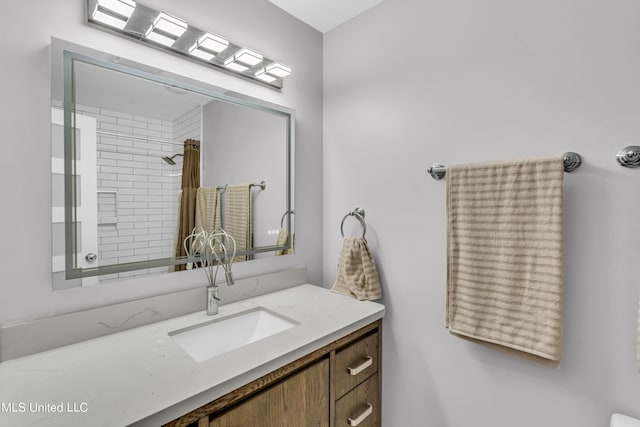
{"x": 190, "y": 184}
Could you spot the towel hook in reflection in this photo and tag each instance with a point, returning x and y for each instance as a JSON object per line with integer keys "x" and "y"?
{"x": 284, "y": 216}
{"x": 358, "y": 213}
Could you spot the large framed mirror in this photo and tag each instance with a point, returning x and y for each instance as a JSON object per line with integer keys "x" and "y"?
{"x": 142, "y": 157}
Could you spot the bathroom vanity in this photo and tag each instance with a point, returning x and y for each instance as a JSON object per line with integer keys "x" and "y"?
{"x": 296, "y": 356}
{"x": 321, "y": 368}
{"x": 336, "y": 385}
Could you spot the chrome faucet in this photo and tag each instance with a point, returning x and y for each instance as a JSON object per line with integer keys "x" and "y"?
{"x": 213, "y": 295}
{"x": 213, "y": 291}
{"x": 213, "y": 299}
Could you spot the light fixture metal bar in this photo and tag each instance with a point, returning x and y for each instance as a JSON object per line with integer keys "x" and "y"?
{"x": 142, "y": 19}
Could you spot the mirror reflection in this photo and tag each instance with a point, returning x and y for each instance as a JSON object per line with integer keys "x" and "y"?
{"x": 153, "y": 157}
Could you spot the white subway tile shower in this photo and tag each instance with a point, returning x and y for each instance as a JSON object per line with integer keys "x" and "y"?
{"x": 138, "y": 192}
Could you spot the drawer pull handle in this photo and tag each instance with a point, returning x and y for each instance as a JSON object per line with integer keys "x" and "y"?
{"x": 361, "y": 367}
{"x": 362, "y": 416}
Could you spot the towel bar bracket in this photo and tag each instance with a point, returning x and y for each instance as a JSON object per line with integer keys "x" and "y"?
{"x": 629, "y": 156}
{"x": 262, "y": 184}
{"x": 572, "y": 161}
{"x": 437, "y": 172}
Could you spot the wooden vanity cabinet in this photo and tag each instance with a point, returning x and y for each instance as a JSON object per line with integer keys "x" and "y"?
{"x": 337, "y": 385}
{"x": 302, "y": 399}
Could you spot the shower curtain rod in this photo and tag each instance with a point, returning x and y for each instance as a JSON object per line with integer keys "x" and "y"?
{"x": 138, "y": 137}
{"x": 572, "y": 161}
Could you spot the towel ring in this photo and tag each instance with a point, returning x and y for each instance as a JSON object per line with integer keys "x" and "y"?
{"x": 284, "y": 216}
{"x": 358, "y": 213}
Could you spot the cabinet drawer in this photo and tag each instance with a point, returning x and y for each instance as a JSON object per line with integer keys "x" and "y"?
{"x": 360, "y": 406}
{"x": 356, "y": 363}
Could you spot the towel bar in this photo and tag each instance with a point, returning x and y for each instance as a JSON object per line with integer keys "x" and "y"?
{"x": 261, "y": 184}
{"x": 358, "y": 213}
{"x": 572, "y": 161}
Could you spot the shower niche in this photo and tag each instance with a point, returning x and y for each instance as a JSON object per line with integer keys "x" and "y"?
{"x": 119, "y": 131}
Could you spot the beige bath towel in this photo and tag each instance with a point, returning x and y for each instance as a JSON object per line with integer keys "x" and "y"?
{"x": 208, "y": 209}
{"x": 357, "y": 273}
{"x": 237, "y": 217}
{"x": 504, "y": 259}
{"x": 283, "y": 236}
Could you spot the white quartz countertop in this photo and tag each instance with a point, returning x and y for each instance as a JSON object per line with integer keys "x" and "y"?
{"x": 141, "y": 376}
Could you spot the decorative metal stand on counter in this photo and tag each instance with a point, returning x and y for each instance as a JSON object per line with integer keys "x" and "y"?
{"x": 572, "y": 161}
{"x": 629, "y": 156}
{"x": 210, "y": 250}
{"x": 357, "y": 213}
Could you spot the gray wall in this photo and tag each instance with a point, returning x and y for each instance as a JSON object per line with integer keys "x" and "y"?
{"x": 256, "y": 140}
{"x": 493, "y": 80}
{"x": 25, "y": 178}
{"x": 416, "y": 82}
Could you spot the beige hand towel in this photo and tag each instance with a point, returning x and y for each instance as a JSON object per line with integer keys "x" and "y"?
{"x": 283, "y": 235}
{"x": 237, "y": 217}
{"x": 504, "y": 260}
{"x": 357, "y": 273}
{"x": 208, "y": 216}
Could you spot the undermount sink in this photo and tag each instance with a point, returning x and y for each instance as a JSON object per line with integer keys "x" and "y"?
{"x": 215, "y": 337}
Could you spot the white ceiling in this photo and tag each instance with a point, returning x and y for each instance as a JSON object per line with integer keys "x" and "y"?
{"x": 324, "y": 15}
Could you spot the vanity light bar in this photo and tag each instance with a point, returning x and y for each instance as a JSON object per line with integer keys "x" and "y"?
{"x": 243, "y": 59}
{"x": 273, "y": 71}
{"x": 213, "y": 43}
{"x": 114, "y": 13}
{"x": 166, "y": 29}
{"x": 248, "y": 57}
{"x": 201, "y": 53}
{"x": 158, "y": 37}
{"x": 277, "y": 70}
{"x": 208, "y": 46}
{"x": 169, "y": 24}
{"x": 163, "y": 30}
{"x": 232, "y": 64}
{"x": 262, "y": 75}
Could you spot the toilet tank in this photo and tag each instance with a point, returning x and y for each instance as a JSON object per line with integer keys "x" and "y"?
{"x": 618, "y": 420}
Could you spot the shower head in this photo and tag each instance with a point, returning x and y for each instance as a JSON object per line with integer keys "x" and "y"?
{"x": 170, "y": 160}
